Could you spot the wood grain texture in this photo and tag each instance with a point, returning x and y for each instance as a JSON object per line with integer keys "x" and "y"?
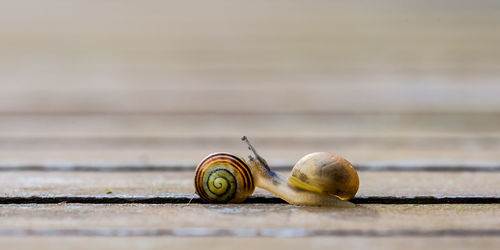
{"x": 406, "y": 96}
{"x": 390, "y": 83}
{"x": 249, "y": 216}
{"x": 164, "y": 83}
{"x": 396, "y": 184}
{"x": 184, "y": 139}
{"x": 229, "y": 243}
{"x": 392, "y": 56}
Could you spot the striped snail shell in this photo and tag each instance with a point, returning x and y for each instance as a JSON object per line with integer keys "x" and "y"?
{"x": 318, "y": 179}
{"x": 223, "y": 178}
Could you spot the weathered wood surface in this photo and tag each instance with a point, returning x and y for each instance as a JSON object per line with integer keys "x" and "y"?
{"x": 120, "y": 85}
{"x": 229, "y": 243}
{"x": 224, "y": 98}
{"x": 161, "y": 183}
{"x": 182, "y": 140}
{"x": 394, "y": 218}
{"x": 401, "y": 84}
{"x": 195, "y": 56}
{"x": 383, "y": 225}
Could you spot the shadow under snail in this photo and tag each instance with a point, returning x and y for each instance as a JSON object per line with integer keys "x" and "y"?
{"x": 318, "y": 179}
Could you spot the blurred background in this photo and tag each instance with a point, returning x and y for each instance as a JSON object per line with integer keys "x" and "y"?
{"x": 164, "y": 83}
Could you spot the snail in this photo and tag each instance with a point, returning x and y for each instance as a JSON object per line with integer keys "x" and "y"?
{"x": 317, "y": 179}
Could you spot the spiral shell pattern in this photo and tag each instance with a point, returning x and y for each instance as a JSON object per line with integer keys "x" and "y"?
{"x": 223, "y": 178}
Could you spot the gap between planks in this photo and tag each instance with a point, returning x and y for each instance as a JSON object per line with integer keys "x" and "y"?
{"x": 188, "y": 199}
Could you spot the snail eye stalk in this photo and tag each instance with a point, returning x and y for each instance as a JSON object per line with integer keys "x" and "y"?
{"x": 251, "y": 148}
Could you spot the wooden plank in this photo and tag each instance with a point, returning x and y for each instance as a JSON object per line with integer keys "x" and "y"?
{"x": 425, "y": 55}
{"x": 278, "y": 217}
{"x": 148, "y": 85}
{"x": 183, "y": 139}
{"x": 189, "y": 157}
{"x": 361, "y": 96}
{"x": 264, "y": 33}
{"x": 279, "y": 35}
{"x": 229, "y": 243}
{"x": 392, "y": 184}
{"x": 200, "y": 125}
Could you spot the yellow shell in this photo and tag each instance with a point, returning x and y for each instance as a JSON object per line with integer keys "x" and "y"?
{"x": 323, "y": 172}
{"x": 223, "y": 178}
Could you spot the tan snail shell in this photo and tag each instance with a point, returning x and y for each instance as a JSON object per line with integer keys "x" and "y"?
{"x": 324, "y": 172}
{"x": 318, "y": 179}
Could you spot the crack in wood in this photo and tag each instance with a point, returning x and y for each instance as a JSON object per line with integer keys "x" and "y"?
{"x": 185, "y": 199}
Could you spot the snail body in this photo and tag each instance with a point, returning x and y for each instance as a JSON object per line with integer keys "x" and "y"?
{"x": 318, "y": 179}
